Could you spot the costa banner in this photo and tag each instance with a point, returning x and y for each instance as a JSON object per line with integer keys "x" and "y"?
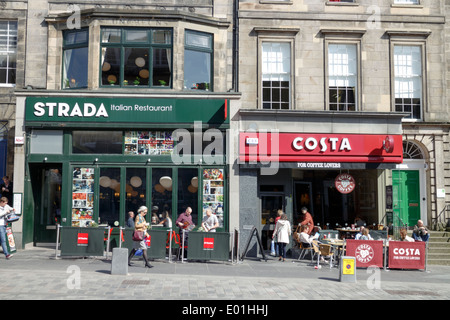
{"x": 313, "y": 147}
{"x": 407, "y": 255}
{"x": 368, "y": 253}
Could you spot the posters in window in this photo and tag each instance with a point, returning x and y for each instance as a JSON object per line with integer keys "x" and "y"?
{"x": 82, "y": 197}
{"x": 148, "y": 143}
{"x": 213, "y": 192}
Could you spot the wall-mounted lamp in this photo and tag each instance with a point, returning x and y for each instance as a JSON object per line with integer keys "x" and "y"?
{"x": 148, "y": 161}
{"x": 95, "y": 160}
{"x": 45, "y": 159}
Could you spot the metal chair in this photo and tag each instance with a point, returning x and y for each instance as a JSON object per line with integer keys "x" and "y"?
{"x": 325, "y": 250}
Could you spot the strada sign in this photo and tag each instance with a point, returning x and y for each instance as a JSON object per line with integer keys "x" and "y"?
{"x": 124, "y": 110}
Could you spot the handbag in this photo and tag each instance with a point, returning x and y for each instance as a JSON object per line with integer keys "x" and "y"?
{"x": 138, "y": 235}
{"x": 12, "y": 217}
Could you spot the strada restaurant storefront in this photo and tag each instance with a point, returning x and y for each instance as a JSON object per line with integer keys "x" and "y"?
{"x": 339, "y": 167}
{"x": 91, "y": 160}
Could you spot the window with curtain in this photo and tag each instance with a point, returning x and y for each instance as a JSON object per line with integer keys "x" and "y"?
{"x": 276, "y": 75}
{"x": 139, "y": 57}
{"x": 75, "y": 59}
{"x": 342, "y": 77}
{"x": 198, "y": 57}
{"x": 8, "y": 52}
{"x": 408, "y": 80}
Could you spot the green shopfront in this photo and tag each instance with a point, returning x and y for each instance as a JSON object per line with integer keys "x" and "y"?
{"x": 91, "y": 160}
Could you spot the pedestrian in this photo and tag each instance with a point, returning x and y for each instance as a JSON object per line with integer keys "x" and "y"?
{"x": 210, "y": 222}
{"x": 184, "y": 222}
{"x": 130, "y": 220}
{"x": 141, "y": 225}
{"x": 166, "y": 221}
{"x": 7, "y": 188}
{"x": 4, "y": 210}
{"x": 283, "y": 232}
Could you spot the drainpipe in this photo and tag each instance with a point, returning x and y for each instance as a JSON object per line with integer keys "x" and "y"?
{"x": 235, "y": 82}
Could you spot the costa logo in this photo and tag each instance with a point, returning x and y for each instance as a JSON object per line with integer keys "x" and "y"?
{"x": 364, "y": 253}
{"x": 345, "y": 183}
{"x": 407, "y": 252}
{"x": 312, "y": 143}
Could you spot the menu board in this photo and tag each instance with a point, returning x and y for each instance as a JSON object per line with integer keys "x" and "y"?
{"x": 148, "y": 142}
{"x": 213, "y": 191}
{"x": 82, "y": 197}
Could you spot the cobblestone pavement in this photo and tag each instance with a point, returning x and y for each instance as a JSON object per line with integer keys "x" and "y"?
{"x": 37, "y": 274}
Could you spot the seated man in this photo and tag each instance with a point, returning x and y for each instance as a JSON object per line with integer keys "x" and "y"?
{"x": 420, "y": 232}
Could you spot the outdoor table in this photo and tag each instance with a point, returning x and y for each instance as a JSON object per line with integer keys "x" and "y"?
{"x": 348, "y": 233}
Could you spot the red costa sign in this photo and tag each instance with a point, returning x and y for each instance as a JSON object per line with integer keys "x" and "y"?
{"x": 367, "y": 253}
{"x": 407, "y": 255}
{"x": 208, "y": 243}
{"x": 344, "y": 183}
{"x": 313, "y": 147}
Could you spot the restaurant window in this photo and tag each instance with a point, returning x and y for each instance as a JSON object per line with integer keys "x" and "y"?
{"x": 109, "y": 198}
{"x": 162, "y": 184}
{"x": 408, "y": 80}
{"x": 342, "y": 77}
{"x": 97, "y": 142}
{"x": 8, "y": 52}
{"x": 148, "y": 142}
{"x": 198, "y": 60}
{"x": 406, "y": 1}
{"x": 135, "y": 189}
{"x": 188, "y": 192}
{"x": 132, "y": 57}
{"x": 46, "y": 142}
{"x": 276, "y": 75}
{"x": 75, "y": 58}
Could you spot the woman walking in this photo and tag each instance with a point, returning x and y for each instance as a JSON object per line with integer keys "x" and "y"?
{"x": 283, "y": 232}
{"x": 141, "y": 225}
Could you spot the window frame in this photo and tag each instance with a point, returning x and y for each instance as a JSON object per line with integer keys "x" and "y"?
{"x": 358, "y": 89}
{"x": 209, "y": 51}
{"x": 410, "y": 43}
{"x": 8, "y": 53}
{"x": 66, "y": 47}
{"x": 124, "y": 44}
{"x": 264, "y": 37}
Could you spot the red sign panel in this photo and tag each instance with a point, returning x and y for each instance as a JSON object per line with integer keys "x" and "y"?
{"x": 344, "y": 183}
{"x": 83, "y": 239}
{"x": 368, "y": 253}
{"x": 208, "y": 243}
{"x": 313, "y": 147}
{"x": 407, "y": 255}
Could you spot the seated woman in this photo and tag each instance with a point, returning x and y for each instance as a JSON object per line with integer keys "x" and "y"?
{"x": 305, "y": 238}
{"x": 365, "y": 235}
{"x": 404, "y": 235}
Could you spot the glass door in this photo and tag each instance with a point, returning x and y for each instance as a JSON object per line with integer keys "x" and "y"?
{"x": 270, "y": 204}
{"x": 46, "y": 186}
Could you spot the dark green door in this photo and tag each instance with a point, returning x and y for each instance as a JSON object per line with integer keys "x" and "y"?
{"x": 406, "y": 194}
{"x": 46, "y": 184}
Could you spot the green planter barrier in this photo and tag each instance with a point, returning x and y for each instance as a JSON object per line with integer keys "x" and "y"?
{"x": 82, "y": 242}
{"x": 208, "y": 246}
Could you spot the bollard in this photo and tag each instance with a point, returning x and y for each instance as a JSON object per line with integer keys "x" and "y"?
{"x": 119, "y": 263}
{"x": 347, "y": 269}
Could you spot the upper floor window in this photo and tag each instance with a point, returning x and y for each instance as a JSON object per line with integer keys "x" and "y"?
{"x": 136, "y": 57}
{"x": 342, "y": 77}
{"x": 408, "y": 80}
{"x": 75, "y": 58}
{"x": 406, "y": 1}
{"x": 341, "y": 0}
{"x": 198, "y": 59}
{"x": 276, "y": 75}
{"x": 8, "y": 52}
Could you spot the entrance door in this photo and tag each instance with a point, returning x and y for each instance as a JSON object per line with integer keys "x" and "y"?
{"x": 46, "y": 184}
{"x": 406, "y": 194}
{"x": 270, "y": 204}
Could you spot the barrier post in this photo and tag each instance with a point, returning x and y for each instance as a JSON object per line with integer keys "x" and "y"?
{"x": 107, "y": 242}
{"x": 57, "y": 240}
{"x": 182, "y": 246}
{"x": 121, "y": 237}
{"x": 170, "y": 245}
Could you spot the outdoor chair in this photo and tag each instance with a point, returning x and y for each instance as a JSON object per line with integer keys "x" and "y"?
{"x": 325, "y": 250}
{"x": 304, "y": 250}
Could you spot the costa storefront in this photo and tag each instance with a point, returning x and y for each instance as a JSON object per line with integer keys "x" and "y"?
{"x": 338, "y": 165}
{"x": 90, "y": 160}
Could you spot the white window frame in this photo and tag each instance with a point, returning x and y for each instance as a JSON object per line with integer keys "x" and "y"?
{"x": 11, "y": 50}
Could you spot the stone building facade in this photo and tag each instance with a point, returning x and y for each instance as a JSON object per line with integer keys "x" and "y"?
{"x": 319, "y": 68}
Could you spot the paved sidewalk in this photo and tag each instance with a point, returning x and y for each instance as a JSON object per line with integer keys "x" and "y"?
{"x": 36, "y": 274}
